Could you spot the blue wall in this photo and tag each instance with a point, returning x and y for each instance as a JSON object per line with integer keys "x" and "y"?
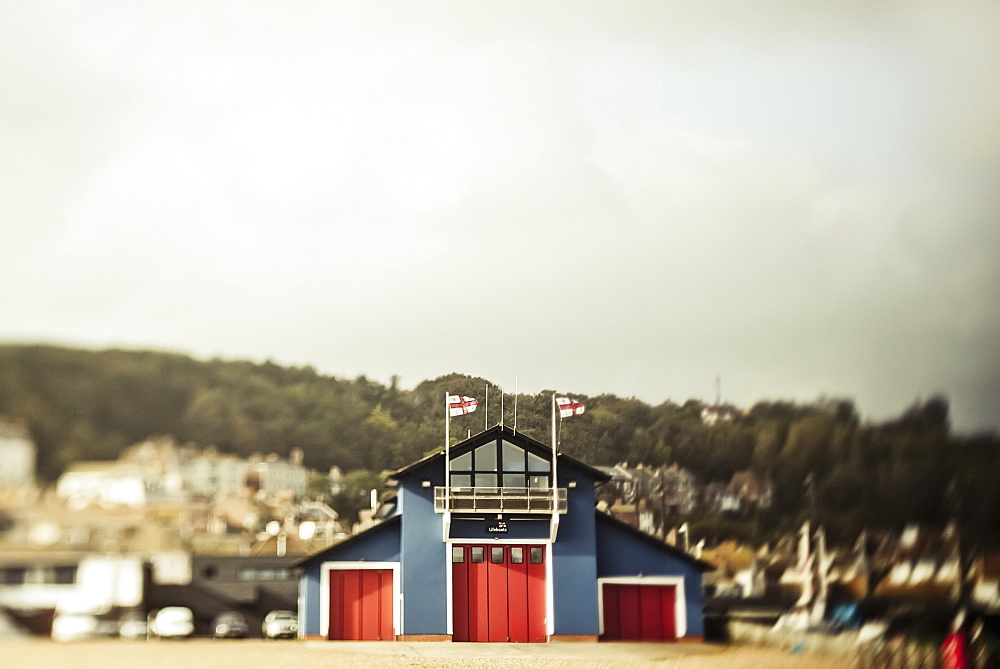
{"x": 309, "y": 601}
{"x": 574, "y": 566}
{"x": 621, "y": 553}
{"x": 425, "y": 608}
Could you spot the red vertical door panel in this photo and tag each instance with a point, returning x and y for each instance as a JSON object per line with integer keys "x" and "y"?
{"x": 370, "y": 608}
{"x": 388, "y": 600}
{"x": 352, "y": 605}
{"x": 517, "y": 595}
{"x": 628, "y": 612}
{"x": 336, "y": 612}
{"x": 479, "y": 600}
{"x": 611, "y": 629}
{"x": 536, "y": 593}
{"x": 460, "y": 597}
{"x": 376, "y": 605}
{"x": 668, "y": 597}
{"x": 650, "y": 613}
{"x": 496, "y": 569}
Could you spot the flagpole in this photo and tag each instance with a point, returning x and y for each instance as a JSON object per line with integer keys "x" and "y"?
{"x": 486, "y": 421}
{"x": 447, "y": 450}
{"x": 554, "y": 454}
{"x": 553, "y": 422}
{"x": 501, "y": 406}
{"x": 515, "y": 404}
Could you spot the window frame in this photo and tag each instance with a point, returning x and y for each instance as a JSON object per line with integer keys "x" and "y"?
{"x": 498, "y": 466}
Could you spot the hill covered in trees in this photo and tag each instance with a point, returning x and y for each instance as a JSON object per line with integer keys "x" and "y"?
{"x": 83, "y": 404}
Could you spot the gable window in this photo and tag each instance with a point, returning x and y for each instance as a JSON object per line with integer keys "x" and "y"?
{"x": 500, "y": 463}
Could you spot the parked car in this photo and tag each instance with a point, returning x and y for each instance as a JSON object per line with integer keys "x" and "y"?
{"x": 229, "y": 624}
{"x": 172, "y": 622}
{"x": 280, "y": 624}
{"x": 74, "y": 626}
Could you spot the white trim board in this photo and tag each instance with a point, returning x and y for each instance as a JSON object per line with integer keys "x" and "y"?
{"x": 549, "y": 597}
{"x": 324, "y": 591}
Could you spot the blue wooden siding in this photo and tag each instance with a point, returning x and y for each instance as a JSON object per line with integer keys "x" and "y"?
{"x": 620, "y": 552}
{"x": 425, "y": 607}
{"x": 574, "y": 567}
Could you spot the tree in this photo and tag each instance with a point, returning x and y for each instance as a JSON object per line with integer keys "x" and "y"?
{"x": 355, "y": 493}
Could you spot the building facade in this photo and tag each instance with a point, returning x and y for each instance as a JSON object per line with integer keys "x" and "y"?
{"x": 511, "y": 548}
{"x": 17, "y": 453}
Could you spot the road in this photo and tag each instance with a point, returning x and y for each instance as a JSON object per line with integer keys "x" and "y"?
{"x": 247, "y": 653}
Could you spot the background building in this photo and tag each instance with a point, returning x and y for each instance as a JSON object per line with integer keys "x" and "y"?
{"x": 17, "y": 453}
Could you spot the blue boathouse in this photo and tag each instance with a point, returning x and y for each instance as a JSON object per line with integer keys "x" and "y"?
{"x": 512, "y": 550}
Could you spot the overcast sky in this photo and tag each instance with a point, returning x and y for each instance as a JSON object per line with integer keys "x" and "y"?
{"x": 626, "y": 197}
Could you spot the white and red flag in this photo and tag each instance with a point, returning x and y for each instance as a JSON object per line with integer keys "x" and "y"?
{"x": 459, "y": 405}
{"x": 568, "y": 407}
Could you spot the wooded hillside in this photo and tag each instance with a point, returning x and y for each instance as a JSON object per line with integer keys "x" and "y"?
{"x": 82, "y": 404}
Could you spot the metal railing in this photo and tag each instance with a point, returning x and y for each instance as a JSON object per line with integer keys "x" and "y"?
{"x": 496, "y": 500}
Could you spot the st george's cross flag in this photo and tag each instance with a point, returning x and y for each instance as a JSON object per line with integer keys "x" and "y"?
{"x": 458, "y": 405}
{"x": 568, "y": 407}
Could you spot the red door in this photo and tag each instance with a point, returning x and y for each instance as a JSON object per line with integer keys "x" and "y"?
{"x": 361, "y": 605}
{"x": 498, "y": 593}
{"x": 639, "y": 612}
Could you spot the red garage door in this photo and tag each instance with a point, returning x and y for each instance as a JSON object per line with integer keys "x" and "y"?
{"x": 499, "y": 593}
{"x": 361, "y": 605}
{"x": 639, "y": 612}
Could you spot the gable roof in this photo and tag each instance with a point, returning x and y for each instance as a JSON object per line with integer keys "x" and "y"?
{"x": 672, "y": 551}
{"x": 492, "y": 434}
{"x": 390, "y": 522}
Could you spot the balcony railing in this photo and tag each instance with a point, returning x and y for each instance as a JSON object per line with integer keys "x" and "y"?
{"x": 499, "y": 500}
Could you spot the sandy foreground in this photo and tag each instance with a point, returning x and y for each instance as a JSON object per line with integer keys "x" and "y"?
{"x": 252, "y": 653}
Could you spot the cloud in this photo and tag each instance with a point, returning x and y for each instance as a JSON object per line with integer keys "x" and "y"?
{"x": 622, "y": 198}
